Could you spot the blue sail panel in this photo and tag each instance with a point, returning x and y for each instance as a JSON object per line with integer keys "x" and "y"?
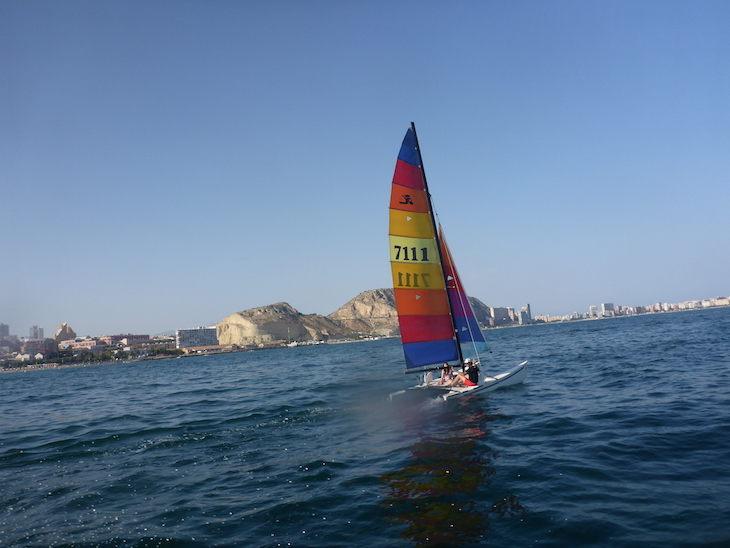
{"x": 467, "y": 330}
{"x": 419, "y": 355}
{"x": 470, "y": 337}
{"x": 408, "y": 151}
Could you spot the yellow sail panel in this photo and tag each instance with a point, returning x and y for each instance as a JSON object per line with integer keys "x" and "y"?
{"x": 413, "y": 250}
{"x": 417, "y": 276}
{"x": 415, "y": 225}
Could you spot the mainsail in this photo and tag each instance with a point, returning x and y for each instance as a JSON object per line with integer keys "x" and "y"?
{"x": 433, "y": 311}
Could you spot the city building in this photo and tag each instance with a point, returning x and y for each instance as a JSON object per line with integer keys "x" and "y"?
{"x": 64, "y": 333}
{"x": 500, "y": 316}
{"x": 197, "y": 336}
{"x": 127, "y": 339}
{"x": 39, "y": 346}
{"x": 525, "y": 316}
{"x": 36, "y": 332}
{"x": 4, "y": 330}
{"x": 95, "y": 346}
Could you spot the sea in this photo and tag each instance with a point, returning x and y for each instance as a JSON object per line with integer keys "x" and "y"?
{"x": 619, "y": 437}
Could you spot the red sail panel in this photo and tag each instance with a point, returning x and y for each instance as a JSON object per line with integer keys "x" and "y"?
{"x": 408, "y": 175}
{"x": 425, "y": 328}
{"x": 459, "y": 303}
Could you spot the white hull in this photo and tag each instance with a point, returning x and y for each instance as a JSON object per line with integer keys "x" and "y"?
{"x": 515, "y": 375}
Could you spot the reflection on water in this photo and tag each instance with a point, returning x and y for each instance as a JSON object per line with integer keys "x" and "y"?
{"x": 442, "y": 495}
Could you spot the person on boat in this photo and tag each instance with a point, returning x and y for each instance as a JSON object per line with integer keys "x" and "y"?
{"x": 461, "y": 379}
{"x": 447, "y": 374}
{"x": 472, "y": 371}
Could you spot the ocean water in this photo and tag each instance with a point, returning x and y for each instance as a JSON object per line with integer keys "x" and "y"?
{"x": 619, "y": 437}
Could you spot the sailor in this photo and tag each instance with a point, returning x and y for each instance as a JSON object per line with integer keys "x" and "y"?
{"x": 461, "y": 380}
{"x": 446, "y": 374}
{"x": 472, "y": 370}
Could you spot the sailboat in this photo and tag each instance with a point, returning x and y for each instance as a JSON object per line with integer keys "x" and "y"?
{"x": 439, "y": 330}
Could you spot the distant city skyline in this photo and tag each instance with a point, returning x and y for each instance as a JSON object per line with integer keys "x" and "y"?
{"x": 592, "y": 310}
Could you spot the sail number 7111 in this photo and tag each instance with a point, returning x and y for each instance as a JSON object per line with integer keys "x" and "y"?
{"x": 410, "y": 253}
{"x": 409, "y": 279}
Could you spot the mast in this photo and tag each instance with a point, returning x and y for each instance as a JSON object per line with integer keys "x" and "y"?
{"x": 438, "y": 243}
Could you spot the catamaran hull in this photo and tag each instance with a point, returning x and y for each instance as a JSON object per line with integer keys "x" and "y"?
{"x": 516, "y": 375}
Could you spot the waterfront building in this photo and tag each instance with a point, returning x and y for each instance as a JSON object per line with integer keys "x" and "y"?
{"x": 126, "y": 339}
{"x": 197, "y": 336}
{"x": 500, "y": 316}
{"x": 524, "y": 317}
{"x": 607, "y": 310}
{"x": 87, "y": 343}
{"x": 39, "y": 346}
{"x": 526, "y": 310}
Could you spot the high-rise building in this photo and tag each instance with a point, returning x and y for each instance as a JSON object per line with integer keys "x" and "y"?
{"x": 525, "y": 316}
{"x": 527, "y": 311}
{"x": 4, "y": 330}
{"x": 500, "y": 316}
{"x": 36, "y": 332}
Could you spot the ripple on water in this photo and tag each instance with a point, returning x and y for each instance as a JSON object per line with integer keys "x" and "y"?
{"x": 619, "y": 437}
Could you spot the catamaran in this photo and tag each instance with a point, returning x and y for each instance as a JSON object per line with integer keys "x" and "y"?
{"x": 438, "y": 327}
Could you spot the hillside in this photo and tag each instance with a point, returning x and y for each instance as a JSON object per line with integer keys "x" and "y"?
{"x": 371, "y": 313}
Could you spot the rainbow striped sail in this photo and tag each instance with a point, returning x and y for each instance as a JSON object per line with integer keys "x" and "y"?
{"x": 433, "y": 311}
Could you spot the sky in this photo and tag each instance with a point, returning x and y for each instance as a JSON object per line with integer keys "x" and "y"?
{"x": 165, "y": 164}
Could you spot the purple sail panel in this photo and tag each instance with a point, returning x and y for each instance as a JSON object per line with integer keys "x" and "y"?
{"x": 467, "y": 327}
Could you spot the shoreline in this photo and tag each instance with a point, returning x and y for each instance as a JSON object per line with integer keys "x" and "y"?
{"x": 52, "y": 365}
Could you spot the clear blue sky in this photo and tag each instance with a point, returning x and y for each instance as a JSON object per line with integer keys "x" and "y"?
{"x": 164, "y": 164}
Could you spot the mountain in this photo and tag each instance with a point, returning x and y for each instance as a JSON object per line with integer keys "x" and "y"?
{"x": 371, "y": 313}
{"x": 277, "y": 322}
{"x": 481, "y": 310}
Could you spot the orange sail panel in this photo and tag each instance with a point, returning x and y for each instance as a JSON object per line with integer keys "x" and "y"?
{"x": 407, "y": 199}
{"x": 421, "y": 303}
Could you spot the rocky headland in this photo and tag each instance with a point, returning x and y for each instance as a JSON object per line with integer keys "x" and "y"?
{"x": 370, "y": 314}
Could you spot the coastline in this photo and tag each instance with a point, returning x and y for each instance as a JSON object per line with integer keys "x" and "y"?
{"x": 53, "y": 365}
